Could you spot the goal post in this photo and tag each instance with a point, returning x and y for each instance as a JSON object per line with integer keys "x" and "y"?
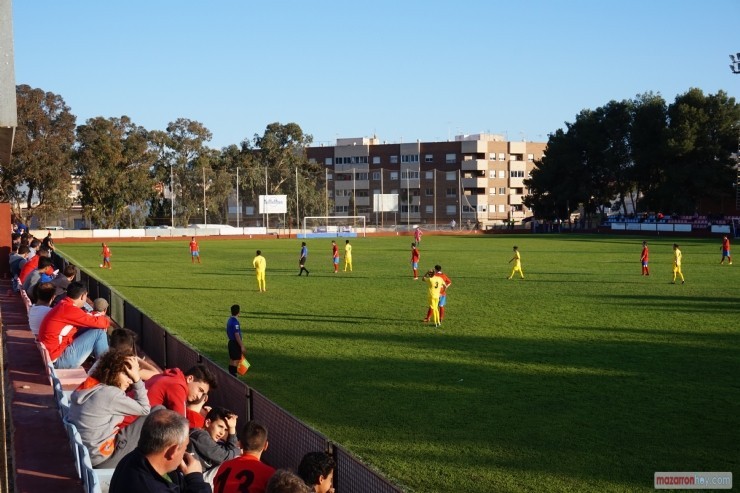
{"x": 333, "y": 226}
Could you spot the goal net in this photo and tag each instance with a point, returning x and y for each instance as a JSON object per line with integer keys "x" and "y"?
{"x": 330, "y": 226}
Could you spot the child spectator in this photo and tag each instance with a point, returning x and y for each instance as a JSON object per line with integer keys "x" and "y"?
{"x": 216, "y": 442}
{"x": 253, "y": 440}
{"x": 317, "y": 471}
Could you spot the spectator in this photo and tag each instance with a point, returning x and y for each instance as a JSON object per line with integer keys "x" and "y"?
{"x": 48, "y": 242}
{"x": 68, "y": 346}
{"x": 100, "y": 403}
{"x": 159, "y": 463}
{"x": 33, "y": 247}
{"x": 253, "y": 442}
{"x": 122, "y": 339}
{"x": 16, "y": 262}
{"x": 31, "y": 264}
{"x": 174, "y": 389}
{"x": 285, "y": 481}
{"x": 317, "y": 471}
{"x": 62, "y": 280}
{"x": 44, "y": 297}
{"x": 216, "y": 442}
{"x": 43, "y": 272}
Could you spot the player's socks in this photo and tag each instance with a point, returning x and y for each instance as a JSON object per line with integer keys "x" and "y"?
{"x": 232, "y": 369}
{"x": 441, "y": 313}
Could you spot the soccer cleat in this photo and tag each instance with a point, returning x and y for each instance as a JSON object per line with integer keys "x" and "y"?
{"x": 683, "y": 282}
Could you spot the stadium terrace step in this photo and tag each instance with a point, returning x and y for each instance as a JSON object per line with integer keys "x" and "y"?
{"x": 38, "y": 444}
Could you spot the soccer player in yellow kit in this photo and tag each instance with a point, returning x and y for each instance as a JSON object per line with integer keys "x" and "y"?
{"x": 677, "y": 264}
{"x": 517, "y": 259}
{"x": 347, "y": 256}
{"x": 435, "y": 284}
{"x": 260, "y": 265}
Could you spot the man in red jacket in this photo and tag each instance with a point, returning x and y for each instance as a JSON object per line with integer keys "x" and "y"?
{"x": 60, "y": 332}
{"x": 174, "y": 389}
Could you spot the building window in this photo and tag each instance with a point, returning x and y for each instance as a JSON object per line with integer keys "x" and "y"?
{"x": 501, "y": 208}
{"x": 376, "y": 175}
{"x": 328, "y": 161}
{"x": 501, "y": 156}
{"x": 429, "y": 209}
{"x": 329, "y": 176}
{"x": 502, "y": 191}
{"x": 362, "y": 193}
{"x": 530, "y": 157}
{"x": 376, "y": 159}
{"x": 429, "y": 158}
{"x": 516, "y": 173}
{"x": 451, "y": 192}
{"x": 516, "y": 208}
{"x": 451, "y": 158}
{"x": 341, "y": 208}
{"x": 517, "y": 157}
{"x": 429, "y": 192}
{"x": 451, "y": 175}
{"x": 361, "y": 176}
{"x": 429, "y": 175}
{"x": 394, "y": 159}
{"x": 410, "y": 158}
{"x": 492, "y": 191}
{"x": 501, "y": 173}
{"x": 491, "y": 156}
{"x": 451, "y": 209}
{"x": 409, "y": 174}
{"x": 492, "y": 174}
{"x": 414, "y": 209}
{"x": 394, "y": 175}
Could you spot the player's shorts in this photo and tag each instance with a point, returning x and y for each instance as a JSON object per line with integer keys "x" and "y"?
{"x": 415, "y": 265}
{"x": 106, "y": 259}
{"x": 302, "y": 261}
{"x": 725, "y": 253}
{"x": 195, "y": 254}
{"x": 645, "y": 264}
{"x": 234, "y": 351}
{"x": 336, "y": 260}
{"x": 442, "y": 300}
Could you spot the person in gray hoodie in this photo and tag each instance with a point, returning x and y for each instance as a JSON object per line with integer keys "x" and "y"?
{"x": 100, "y": 404}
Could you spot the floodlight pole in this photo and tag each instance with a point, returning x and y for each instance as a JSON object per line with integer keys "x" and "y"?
{"x": 172, "y": 194}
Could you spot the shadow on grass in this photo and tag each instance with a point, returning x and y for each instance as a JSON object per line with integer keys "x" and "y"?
{"x": 574, "y": 413}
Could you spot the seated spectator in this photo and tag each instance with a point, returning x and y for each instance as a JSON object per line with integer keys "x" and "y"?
{"x": 100, "y": 403}
{"x": 122, "y": 339}
{"x": 230, "y": 475}
{"x": 45, "y": 270}
{"x": 65, "y": 277}
{"x": 68, "y": 346}
{"x": 285, "y": 481}
{"x": 216, "y": 442}
{"x": 196, "y": 412}
{"x": 44, "y": 297}
{"x": 100, "y": 308}
{"x": 317, "y": 471}
{"x": 159, "y": 463}
{"x": 174, "y": 389}
{"x": 31, "y": 264}
{"x": 33, "y": 246}
{"x": 16, "y": 261}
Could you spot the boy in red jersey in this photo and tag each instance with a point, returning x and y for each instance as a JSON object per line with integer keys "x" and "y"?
{"x": 726, "y": 250}
{"x": 231, "y": 474}
{"x": 415, "y": 261}
{"x": 335, "y": 255}
{"x": 106, "y": 257}
{"x": 644, "y": 259}
{"x": 194, "y": 251}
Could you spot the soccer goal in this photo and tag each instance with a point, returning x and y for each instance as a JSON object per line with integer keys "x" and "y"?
{"x": 331, "y": 226}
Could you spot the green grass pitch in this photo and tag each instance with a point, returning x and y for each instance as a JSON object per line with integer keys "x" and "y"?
{"x": 585, "y": 376}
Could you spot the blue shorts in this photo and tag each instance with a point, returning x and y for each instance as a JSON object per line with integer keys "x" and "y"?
{"x": 415, "y": 265}
{"x": 442, "y": 300}
{"x": 644, "y": 264}
{"x": 106, "y": 259}
{"x": 726, "y": 253}
{"x": 195, "y": 254}
{"x": 336, "y": 260}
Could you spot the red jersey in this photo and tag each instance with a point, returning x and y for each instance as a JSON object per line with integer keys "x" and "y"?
{"x": 414, "y": 254}
{"x": 335, "y": 251}
{"x": 106, "y": 252}
{"x": 29, "y": 266}
{"x": 446, "y": 284}
{"x": 725, "y": 243}
{"x": 644, "y": 256}
{"x": 246, "y": 474}
{"x": 193, "y": 246}
{"x": 60, "y": 325}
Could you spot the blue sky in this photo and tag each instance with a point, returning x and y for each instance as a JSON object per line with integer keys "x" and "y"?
{"x": 403, "y": 70}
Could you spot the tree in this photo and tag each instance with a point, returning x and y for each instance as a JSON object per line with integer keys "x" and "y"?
{"x": 649, "y": 144}
{"x": 40, "y": 172}
{"x": 278, "y": 153}
{"x": 114, "y": 161}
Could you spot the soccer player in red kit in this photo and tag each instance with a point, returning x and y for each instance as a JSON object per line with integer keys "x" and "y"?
{"x": 644, "y": 259}
{"x": 335, "y": 256}
{"x": 194, "y": 251}
{"x": 106, "y": 257}
{"x": 415, "y": 261}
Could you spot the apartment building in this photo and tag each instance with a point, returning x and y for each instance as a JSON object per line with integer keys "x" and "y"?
{"x": 474, "y": 178}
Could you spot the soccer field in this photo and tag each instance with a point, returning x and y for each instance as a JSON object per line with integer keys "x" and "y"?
{"x": 584, "y": 376}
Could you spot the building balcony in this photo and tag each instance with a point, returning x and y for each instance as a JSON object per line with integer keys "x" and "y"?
{"x": 516, "y": 182}
{"x": 515, "y": 199}
{"x": 474, "y": 165}
{"x": 349, "y": 185}
{"x": 477, "y": 182}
